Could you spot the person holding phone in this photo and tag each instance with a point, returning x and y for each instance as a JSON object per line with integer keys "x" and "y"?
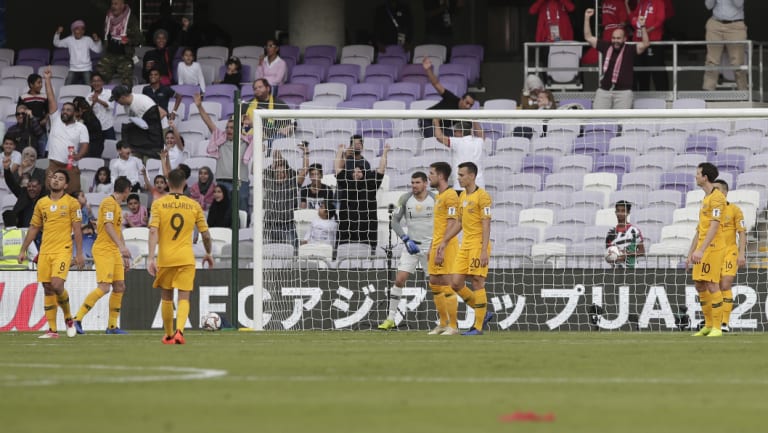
{"x": 271, "y": 66}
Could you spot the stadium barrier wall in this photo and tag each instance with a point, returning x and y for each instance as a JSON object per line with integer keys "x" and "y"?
{"x": 323, "y": 299}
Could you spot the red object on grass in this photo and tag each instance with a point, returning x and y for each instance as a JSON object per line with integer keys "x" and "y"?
{"x": 527, "y": 417}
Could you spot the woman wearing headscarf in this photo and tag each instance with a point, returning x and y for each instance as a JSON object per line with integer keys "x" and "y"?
{"x": 202, "y": 191}
{"x": 220, "y": 212}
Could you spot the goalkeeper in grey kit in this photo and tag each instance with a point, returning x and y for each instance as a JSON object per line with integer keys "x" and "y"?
{"x": 417, "y": 209}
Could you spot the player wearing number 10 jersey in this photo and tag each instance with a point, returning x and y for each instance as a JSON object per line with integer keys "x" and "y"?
{"x": 171, "y": 227}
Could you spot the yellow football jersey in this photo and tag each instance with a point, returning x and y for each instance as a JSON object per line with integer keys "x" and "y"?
{"x": 109, "y": 212}
{"x": 55, "y": 218}
{"x": 712, "y": 209}
{"x": 175, "y": 217}
{"x": 473, "y": 209}
{"x": 446, "y": 208}
{"x": 732, "y": 222}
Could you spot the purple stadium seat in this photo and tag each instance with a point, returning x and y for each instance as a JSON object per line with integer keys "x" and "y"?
{"x": 321, "y": 51}
{"x": 313, "y": 71}
{"x": 356, "y": 104}
{"x": 458, "y": 70}
{"x": 186, "y": 91}
{"x": 323, "y": 62}
{"x": 414, "y": 73}
{"x": 610, "y": 129}
{"x": 468, "y": 50}
{"x": 289, "y": 65}
{"x": 618, "y": 164}
{"x": 309, "y": 82}
{"x": 538, "y": 164}
{"x": 60, "y": 56}
{"x": 290, "y": 52}
{"x": 294, "y": 93}
{"x": 455, "y": 85}
{"x": 682, "y": 182}
{"x": 344, "y": 70}
{"x": 375, "y": 128}
{"x": 591, "y": 144}
{"x": 706, "y": 144}
{"x": 347, "y": 81}
{"x": 34, "y": 57}
{"x": 728, "y": 163}
{"x": 394, "y": 51}
{"x": 371, "y": 92}
{"x": 555, "y": 200}
{"x": 381, "y": 73}
{"x": 224, "y": 94}
{"x": 405, "y": 91}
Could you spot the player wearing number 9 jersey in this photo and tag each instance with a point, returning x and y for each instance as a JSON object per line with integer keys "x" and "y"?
{"x": 171, "y": 226}
{"x": 735, "y": 253}
{"x": 708, "y": 251}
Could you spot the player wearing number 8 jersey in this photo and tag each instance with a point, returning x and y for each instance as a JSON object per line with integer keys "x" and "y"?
{"x": 708, "y": 251}
{"x": 473, "y": 255}
{"x": 171, "y": 227}
{"x": 735, "y": 254}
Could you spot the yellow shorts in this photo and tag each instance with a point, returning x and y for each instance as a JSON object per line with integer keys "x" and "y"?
{"x": 730, "y": 262}
{"x": 53, "y": 266}
{"x": 468, "y": 262}
{"x": 109, "y": 266}
{"x": 449, "y": 259}
{"x": 710, "y": 266}
{"x": 176, "y": 277}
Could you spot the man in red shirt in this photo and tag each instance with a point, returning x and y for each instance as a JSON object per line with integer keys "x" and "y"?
{"x": 654, "y": 13}
{"x": 554, "y": 23}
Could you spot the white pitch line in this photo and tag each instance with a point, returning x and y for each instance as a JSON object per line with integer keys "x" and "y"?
{"x": 506, "y": 380}
{"x": 169, "y": 374}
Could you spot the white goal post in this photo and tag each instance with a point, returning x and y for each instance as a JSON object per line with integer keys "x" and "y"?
{"x": 548, "y": 269}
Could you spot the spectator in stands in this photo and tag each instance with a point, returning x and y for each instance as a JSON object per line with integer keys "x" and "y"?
{"x": 615, "y": 89}
{"x": 271, "y": 66}
{"x": 440, "y": 20}
{"x": 316, "y": 193}
{"x": 11, "y": 238}
{"x": 554, "y": 24}
{"x": 353, "y": 155}
{"x": 84, "y": 114}
{"x": 27, "y": 168}
{"x": 545, "y": 100}
{"x": 529, "y": 98}
{"x": 221, "y": 147}
{"x": 37, "y": 103}
{"x": 614, "y": 14}
{"x": 202, "y": 191}
{"x": 145, "y": 131}
{"x": 281, "y": 185}
{"x": 188, "y": 36}
{"x": 626, "y": 237}
{"x": 449, "y": 101}
{"x": 161, "y": 94}
{"x": 161, "y": 58}
{"x": 465, "y": 147}
{"x": 122, "y": 33}
{"x": 88, "y": 222}
{"x": 189, "y": 71}
{"x": 220, "y": 211}
{"x": 652, "y": 27}
{"x": 166, "y": 22}
{"x": 159, "y": 186}
{"x": 27, "y": 132}
{"x": 103, "y": 108}
{"x": 68, "y": 140}
{"x": 322, "y": 230}
{"x": 234, "y": 72}
{"x": 725, "y": 24}
{"x": 136, "y": 215}
{"x": 358, "y": 221}
{"x": 127, "y": 165}
{"x": 102, "y": 181}
{"x": 393, "y": 24}
{"x": 10, "y": 154}
{"x": 26, "y": 196}
{"x": 79, "y": 52}
{"x": 264, "y": 99}
{"x": 174, "y": 145}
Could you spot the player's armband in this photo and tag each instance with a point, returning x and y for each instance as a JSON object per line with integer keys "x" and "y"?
{"x": 451, "y": 211}
{"x": 487, "y": 211}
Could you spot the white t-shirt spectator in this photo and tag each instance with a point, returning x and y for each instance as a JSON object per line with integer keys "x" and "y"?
{"x": 63, "y": 136}
{"x": 15, "y": 159}
{"x": 140, "y": 105}
{"x": 322, "y": 232}
{"x": 192, "y": 74}
{"x": 467, "y": 149}
{"x": 79, "y": 51}
{"x": 104, "y": 114}
{"x": 130, "y": 168}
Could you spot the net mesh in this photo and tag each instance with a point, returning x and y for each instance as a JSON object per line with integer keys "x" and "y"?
{"x": 553, "y": 179}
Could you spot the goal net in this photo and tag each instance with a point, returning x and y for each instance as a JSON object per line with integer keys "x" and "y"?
{"x": 325, "y": 257}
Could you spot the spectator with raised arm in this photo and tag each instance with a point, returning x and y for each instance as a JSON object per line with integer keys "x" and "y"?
{"x": 79, "y": 52}
{"x": 653, "y": 14}
{"x": 464, "y": 148}
{"x": 145, "y": 130}
{"x": 103, "y": 108}
{"x": 449, "y": 101}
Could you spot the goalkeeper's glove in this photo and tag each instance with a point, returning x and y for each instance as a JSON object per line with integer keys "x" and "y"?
{"x": 410, "y": 245}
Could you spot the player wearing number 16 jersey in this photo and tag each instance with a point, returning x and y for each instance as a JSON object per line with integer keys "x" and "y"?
{"x": 171, "y": 227}
{"x": 735, "y": 254}
{"x": 708, "y": 251}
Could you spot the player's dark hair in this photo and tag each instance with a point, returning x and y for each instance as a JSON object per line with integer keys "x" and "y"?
{"x": 121, "y": 184}
{"x": 627, "y": 205}
{"x": 709, "y": 171}
{"x": 176, "y": 178}
{"x": 419, "y": 175}
{"x": 470, "y": 166}
{"x": 442, "y": 168}
{"x": 723, "y": 183}
{"x": 64, "y": 172}
{"x": 185, "y": 168}
{"x": 356, "y": 137}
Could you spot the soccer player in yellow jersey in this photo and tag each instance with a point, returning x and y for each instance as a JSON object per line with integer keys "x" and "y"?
{"x": 171, "y": 226}
{"x": 441, "y": 261}
{"x": 708, "y": 251}
{"x": 735, "y": 253}
{"x": 111, "y": 257}
{"x": 58, "y": 216}
{"x": 473, "y": 255}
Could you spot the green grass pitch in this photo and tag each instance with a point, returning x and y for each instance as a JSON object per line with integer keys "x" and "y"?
{"x": 383, "y": 382}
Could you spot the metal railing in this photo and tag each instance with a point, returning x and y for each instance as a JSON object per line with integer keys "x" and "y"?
{"x": 754, "y": 63}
